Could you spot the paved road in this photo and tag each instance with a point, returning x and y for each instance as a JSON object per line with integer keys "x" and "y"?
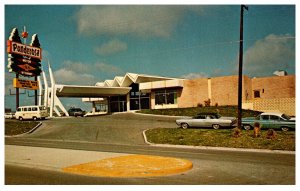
{"x": 122, "y": 134}
{"x": 123, "y": 128}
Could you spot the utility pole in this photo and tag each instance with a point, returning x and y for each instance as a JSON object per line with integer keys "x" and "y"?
{"x": 240, "y": 85}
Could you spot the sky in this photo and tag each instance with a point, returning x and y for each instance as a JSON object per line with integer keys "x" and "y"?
{"x": 86, "y": 44}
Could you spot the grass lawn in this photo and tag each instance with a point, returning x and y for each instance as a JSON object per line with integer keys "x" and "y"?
{"x": 229, "y": 111}
{"x": 15, "y": 127}
{"x": 221, "y": 138}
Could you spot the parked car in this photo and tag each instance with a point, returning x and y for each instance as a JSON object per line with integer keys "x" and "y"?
{"x": 207, "y": 120}
{"x": 272, "y": 120}
{"x": 76, "y": 112}
{"x": 10, "y": 115}
{"x": 31, "y": 112}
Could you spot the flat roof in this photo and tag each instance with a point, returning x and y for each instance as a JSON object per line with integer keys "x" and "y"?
{"x": 90, "y": 91}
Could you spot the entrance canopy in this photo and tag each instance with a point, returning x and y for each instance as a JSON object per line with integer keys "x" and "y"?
{"x": 90, "y": 91}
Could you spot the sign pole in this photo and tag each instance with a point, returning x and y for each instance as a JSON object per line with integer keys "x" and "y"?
{"x": 17, "y": 94}
{"x": 36, "y": 93}
{"x": 240, "y": 80}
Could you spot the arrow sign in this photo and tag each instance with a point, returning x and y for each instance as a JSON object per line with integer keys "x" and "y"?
{"x": 26, "y": 67}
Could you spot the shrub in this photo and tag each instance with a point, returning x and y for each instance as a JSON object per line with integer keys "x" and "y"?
{"x": 207, "y": 103}
{"x": 237, "y": 132}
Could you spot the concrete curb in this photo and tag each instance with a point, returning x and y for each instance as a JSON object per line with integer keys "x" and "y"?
{"x": 28, "y": 132}
{"x": 215, "y": 148}
{"x": 169, "y": 116}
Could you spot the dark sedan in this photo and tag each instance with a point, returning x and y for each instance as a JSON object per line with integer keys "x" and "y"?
{"x": 76, "y": 112}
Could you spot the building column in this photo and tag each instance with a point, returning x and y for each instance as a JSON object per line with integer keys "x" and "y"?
{"x": 128, "y": 102}
{"x": 94, "y": 107}
{"x": 108, "y": 105}
{"x": 209, "y": 88}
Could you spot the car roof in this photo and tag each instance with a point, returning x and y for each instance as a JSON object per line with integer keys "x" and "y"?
{"x": 207, "y": 113}
{"x": 272, "y": 113}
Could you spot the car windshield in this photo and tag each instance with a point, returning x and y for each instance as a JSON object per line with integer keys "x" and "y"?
{"x": 286, "y": 117}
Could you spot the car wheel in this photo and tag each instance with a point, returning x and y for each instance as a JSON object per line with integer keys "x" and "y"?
{"x": 34, "y": 118}
{"x": 21, "y": 118}
{"x": 184, "y": 125}
{"x": 247, "y": 127}
{"x": 216, "y": 126}
{"x": 285, "y": 128}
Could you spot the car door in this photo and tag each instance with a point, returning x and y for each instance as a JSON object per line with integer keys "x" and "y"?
{"x": 210, "y": 120}
{"x": 274, "y": 121}
{"x": 264, "y": 121}
{"x": 198, "y": 121}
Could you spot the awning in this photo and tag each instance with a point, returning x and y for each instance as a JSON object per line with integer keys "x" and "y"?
{"x": 90, "y": 91}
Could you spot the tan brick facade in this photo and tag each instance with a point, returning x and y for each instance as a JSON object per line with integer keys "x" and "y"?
{"x": 275, "y": 86}
{"x": 224, "y": 91}
{"x": 285, "y": 105}
{"x": 194, "y": 92}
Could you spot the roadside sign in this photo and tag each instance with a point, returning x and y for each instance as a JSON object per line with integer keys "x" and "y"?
{"x": 25, "y": 84}
{"x": 24, "y": 50}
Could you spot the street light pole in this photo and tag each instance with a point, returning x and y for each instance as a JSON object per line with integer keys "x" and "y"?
{"x": 240, "y": 86}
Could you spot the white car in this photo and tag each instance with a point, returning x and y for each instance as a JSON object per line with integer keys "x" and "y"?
{"x": 207, "y": 120}
{"x": 33, "y": 112}
{"x": 9, "y": 115}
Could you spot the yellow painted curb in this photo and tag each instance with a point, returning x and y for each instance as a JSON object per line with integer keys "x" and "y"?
{"x": 132, "y": 166}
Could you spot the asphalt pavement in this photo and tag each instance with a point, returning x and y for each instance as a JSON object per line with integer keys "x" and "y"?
{"x": 59, "y": 143}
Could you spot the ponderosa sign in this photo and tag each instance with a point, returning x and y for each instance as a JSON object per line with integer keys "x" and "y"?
{"x": 22, "y": 49}
{"x": 24, "y": 59}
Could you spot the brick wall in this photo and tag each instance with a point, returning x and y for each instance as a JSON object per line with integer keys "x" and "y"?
{"x": 224, "y": 91}
{"x": 275, "y": 87}
{"x": 284, "y": 105}
{"x": 194, "y": 92}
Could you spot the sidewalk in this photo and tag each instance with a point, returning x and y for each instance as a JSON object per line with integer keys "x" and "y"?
{"x": 50, "y": 158}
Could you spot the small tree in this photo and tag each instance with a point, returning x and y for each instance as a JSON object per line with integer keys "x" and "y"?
{"x": 271, "y": 134}
{"x": 256, "y": 130}
{"x": 207, "y": 103}
{"x": 237, "y": 132}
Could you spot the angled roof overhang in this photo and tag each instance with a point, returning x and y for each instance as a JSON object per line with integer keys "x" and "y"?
{"x": 90, "y": 91}
{"x": 130, "y": 78}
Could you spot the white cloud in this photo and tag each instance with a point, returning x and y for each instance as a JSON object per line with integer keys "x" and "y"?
{"x": 107, "y": 68}
{"x": 77, "y": 66}
{"x": 194, "y": 75}
{"x": 78, "y": 73}
{"x": 274, "y": 52}
{"x": 138, "y": 20}
{"x": 111, "y": 47}
{"x": 65, "y": 76}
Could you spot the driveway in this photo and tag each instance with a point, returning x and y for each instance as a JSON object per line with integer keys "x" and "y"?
{"x": 121, "y": 128}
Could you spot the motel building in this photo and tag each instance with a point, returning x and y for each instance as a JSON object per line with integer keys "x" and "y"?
{"x": 139, "y": 91}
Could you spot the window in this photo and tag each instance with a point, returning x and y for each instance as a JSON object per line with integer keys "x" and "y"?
{"x": 274, "y": 117}
{"x": 265, "y": 117}
{"x": 165, "y": 97}
{"x": 256, "y": 94}
{"x": 199, "y": 117}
